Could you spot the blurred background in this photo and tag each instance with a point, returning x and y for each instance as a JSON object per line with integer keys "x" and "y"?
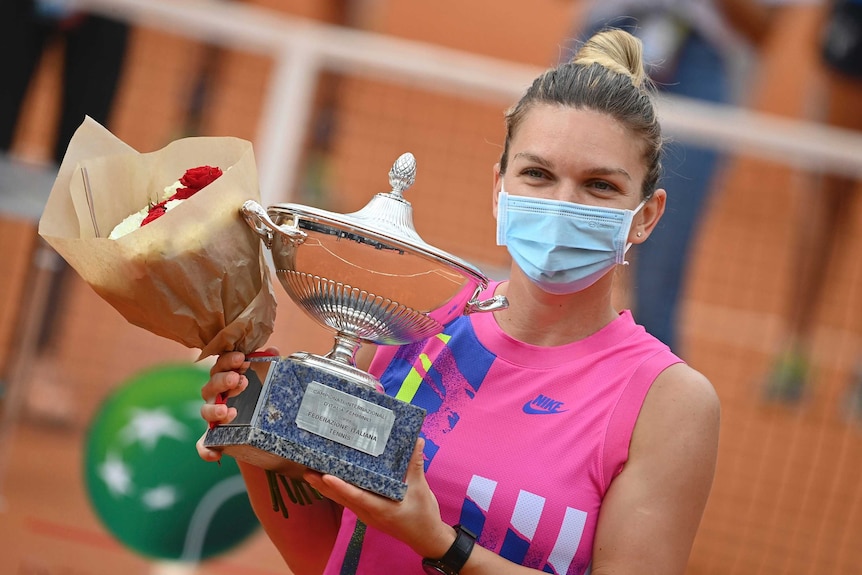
{"x": 763, "y": 293}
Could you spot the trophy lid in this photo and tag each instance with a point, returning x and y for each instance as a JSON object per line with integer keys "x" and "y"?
{"x": 385, "y": 222}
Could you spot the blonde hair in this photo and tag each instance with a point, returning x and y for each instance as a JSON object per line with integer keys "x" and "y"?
{"x": 606, "y": 75}
{"x": 616, "y": 50}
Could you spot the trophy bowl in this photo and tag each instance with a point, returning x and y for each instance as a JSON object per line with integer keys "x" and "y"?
{"x": 368, "y": 277}
{"x": 368, "y": 274}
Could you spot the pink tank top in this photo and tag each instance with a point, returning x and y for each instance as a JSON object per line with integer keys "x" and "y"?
{"x": 522, "y": 442}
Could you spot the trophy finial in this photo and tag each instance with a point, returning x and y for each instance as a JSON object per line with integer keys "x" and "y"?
{"x": 403, "y": 173}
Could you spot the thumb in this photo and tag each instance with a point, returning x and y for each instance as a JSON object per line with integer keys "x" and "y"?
{"x": 416, "y": 467}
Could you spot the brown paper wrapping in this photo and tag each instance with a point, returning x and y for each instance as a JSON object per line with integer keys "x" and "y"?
{"x": 197, "y": 274}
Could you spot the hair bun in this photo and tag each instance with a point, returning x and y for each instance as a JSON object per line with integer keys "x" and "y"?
{"x": 616, "y": 50}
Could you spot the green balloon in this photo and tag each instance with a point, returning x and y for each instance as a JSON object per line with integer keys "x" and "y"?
{"x": 145, "y": 479}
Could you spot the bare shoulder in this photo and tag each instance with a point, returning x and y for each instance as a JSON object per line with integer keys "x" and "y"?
{"x": 682, "y": 406}
{"x": 682, "y": 383}
{"x": 681, "y": 386}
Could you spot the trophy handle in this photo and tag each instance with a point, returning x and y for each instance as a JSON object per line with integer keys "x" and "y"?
{"x": 258, "y": 220}
{"x": 495, "y": 303}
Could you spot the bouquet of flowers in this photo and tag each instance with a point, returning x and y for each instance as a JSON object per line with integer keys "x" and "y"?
{"x": 194, "y": 271}
{"x": 193, "y": 181}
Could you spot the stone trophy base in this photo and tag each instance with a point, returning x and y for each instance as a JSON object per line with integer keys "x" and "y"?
{"x": 308, "y": 411}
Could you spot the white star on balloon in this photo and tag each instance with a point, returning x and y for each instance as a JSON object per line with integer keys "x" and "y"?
{"x": 116, "y": 475}
{"x": 161, "y": 497}
{"x": 147, "y": 426}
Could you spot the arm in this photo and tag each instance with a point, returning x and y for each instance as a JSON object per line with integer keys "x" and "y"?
{"x": 305, "y": 538}
{"x": 652, "y": 510}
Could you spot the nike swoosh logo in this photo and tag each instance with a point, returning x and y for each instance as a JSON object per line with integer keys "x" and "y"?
{"x": 529, "y": 409}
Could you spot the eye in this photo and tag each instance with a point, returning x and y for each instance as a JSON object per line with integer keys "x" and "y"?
{"x": 536, "y": 173}
{"x": 603, "y": 186}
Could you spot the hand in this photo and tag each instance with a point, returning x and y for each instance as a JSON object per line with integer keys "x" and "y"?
{"x": 415, "y": 520}
{"x": 226, "y": 380}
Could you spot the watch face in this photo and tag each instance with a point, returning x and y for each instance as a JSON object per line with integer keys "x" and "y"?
{"x": 433, "y": 568}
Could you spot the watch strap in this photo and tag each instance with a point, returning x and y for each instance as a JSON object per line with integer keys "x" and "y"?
{"x": 453, "y": 561}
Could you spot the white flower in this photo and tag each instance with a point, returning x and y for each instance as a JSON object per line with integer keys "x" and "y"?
{"x": 171, "y": 204}
{"x": 171, "y": 190}
{"x": 130, "y": 224}
{"x": 134, "y": 221}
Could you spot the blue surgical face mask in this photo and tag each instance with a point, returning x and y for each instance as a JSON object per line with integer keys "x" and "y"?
{"x": 562, "y": 247}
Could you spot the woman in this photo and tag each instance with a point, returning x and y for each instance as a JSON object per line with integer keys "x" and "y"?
{"x": 558, "y": 431}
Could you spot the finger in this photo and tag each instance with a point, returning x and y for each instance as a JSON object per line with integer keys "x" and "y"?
{"x": 206, "y": 453}
{"x": 229, "y": 383}
{"x": 228, "y": 361}
{"x": 336, "y": 489}
{"x": 218, "y": 413}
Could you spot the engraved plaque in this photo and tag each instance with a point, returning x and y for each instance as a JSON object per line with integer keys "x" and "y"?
{"x": 345, "y": 419}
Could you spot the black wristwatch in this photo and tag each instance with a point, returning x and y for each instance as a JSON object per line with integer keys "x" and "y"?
{"x": 453, "y": 561}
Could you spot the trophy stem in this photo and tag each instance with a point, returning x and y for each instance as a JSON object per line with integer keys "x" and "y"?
{"x": 345, "y": 348}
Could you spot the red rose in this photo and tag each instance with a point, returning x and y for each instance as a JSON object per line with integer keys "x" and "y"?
{"x": 183, "y": 193}
{"x": 156, "y": 211}
{"x": 193, "y": 180}
{"x": 197, "y": 178}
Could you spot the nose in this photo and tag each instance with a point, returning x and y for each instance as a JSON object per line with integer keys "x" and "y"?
{"x": 565, "y": 191}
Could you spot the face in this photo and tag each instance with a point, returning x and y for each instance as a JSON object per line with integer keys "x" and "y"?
{"x": 579, "y": 156}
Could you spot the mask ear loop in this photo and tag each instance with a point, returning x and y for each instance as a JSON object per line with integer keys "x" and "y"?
{"x": 502, "y": 214}
{"x": 628, "y": 228}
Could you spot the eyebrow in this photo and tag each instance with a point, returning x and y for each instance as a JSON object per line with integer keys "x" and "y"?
{"x": 533, "y": 158}
{"x": 601, "y": 171}
{"x": 610, "y": 172}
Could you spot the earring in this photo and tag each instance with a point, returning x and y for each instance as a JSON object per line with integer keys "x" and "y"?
{"x": 640, "y": 234}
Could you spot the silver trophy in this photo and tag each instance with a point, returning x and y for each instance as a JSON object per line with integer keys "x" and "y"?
{"x": 369, "y": 277}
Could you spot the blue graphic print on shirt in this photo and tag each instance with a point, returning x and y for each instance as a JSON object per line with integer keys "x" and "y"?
{"x": 433, "y": 375}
